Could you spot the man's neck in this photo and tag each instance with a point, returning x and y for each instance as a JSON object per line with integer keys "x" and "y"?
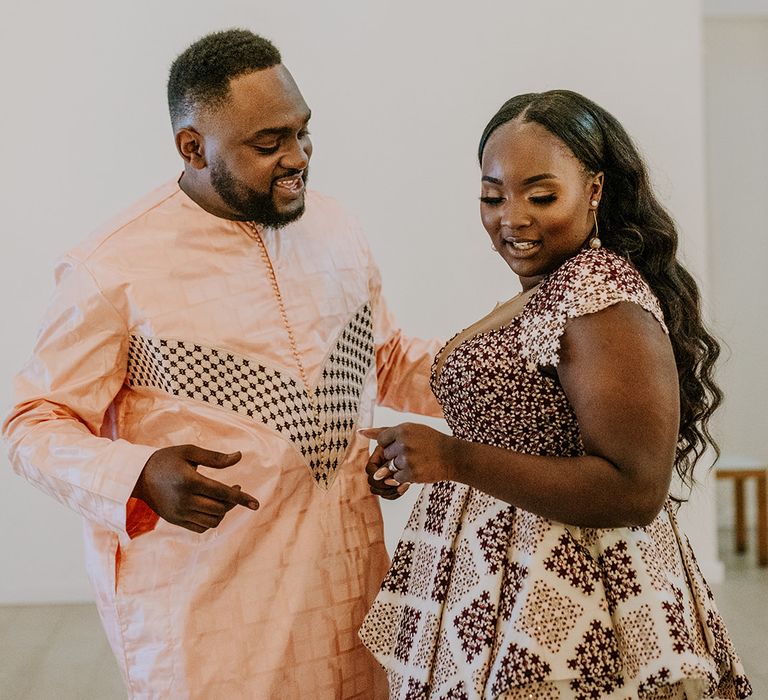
{"x": 204, "y": 197}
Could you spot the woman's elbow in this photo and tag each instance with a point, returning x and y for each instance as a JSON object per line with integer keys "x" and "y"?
{"x": 645, "y": 504}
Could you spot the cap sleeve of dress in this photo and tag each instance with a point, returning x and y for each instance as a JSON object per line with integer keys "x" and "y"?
{"x": 588, "y": 282}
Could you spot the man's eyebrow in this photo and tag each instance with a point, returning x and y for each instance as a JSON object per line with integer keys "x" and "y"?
{"x": 279, "y": 130}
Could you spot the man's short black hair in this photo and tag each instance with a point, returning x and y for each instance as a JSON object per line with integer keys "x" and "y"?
{"x": 200, "y": 75}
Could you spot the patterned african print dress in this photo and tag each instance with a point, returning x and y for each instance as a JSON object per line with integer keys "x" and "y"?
{"x": 486, "y": 600}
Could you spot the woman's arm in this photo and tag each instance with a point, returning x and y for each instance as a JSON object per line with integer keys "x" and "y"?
{"x": 618, "y": 371}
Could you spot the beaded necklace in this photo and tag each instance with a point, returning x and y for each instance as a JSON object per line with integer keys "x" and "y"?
{"x": 254, "y": 232}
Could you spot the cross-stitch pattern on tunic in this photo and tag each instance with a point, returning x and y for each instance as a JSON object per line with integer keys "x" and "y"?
{"x": 320, "y": 428}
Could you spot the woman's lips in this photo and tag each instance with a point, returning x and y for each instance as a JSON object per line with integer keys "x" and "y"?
{"x": 521, "y": 248}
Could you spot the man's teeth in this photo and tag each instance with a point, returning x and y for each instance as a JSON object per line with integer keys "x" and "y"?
{"x": 522, "y": 245}
{"x": 290, "y": 183}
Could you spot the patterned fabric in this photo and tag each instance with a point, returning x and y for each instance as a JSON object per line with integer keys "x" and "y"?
{"x": 320, "y": 427}
{"x": 527, "y": 607}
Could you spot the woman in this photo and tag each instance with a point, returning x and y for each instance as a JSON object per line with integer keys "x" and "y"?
{"x": 544, "y": 558}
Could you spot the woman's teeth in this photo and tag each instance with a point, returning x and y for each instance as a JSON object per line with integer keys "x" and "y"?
{"x": 522, "y": 245}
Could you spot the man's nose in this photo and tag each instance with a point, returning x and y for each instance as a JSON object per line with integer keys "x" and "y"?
{"x": 296, "y": 156}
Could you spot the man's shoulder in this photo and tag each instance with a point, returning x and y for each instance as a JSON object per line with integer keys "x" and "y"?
{"x": 134, "y": 217}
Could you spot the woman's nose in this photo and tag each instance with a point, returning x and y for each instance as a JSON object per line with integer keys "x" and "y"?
{"x": 514, "y": 215}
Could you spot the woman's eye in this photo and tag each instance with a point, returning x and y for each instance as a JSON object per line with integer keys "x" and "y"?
{"x": 543, "y": 199}
{"x": 491, "y": 200}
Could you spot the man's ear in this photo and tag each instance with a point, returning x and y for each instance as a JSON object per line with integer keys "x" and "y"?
{"x": 191, "y": 147}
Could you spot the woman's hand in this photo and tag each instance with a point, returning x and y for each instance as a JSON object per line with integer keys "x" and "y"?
{"x": 408, "y": 453}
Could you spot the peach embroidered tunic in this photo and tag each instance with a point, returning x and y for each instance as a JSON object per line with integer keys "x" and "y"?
{"x": 165, "y": 330}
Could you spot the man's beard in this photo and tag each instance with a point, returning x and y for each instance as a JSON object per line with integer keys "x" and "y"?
{"x": 247, "y": 203}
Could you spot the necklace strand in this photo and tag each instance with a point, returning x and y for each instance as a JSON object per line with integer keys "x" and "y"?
{"x": 254, "y": 233}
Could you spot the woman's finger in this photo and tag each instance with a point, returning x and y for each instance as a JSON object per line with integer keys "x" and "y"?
{"x": 375, "y": 461}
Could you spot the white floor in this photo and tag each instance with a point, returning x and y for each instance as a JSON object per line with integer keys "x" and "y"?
{"x": 59, "y": 651}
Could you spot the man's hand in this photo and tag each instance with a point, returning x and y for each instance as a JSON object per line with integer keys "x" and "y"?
{"x": 170, "y": 485}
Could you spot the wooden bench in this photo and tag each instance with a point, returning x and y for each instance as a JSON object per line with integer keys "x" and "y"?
{"x": 739, "y": 476}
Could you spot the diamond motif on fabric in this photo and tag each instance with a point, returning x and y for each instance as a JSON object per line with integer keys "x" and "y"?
{"x": 396, "y": 580}
{"x": 678, "y": 629}
{"x": 519, "y": 667}
{"x": 476, "y": 625}
{"x": 424, "y": 562}
{"x": 529, "y": 531}
{"x": 619, "y": 577}
{"x": 427, "y": 641}
{"x": 417, "y": 690}
{"x": 440, "y": 496}
{"x": 442, "y": 575}
{"x": 512, "y": 584}
{"x": 666, "y": 546}
{"x": 597, "y": 663}
{"x": 458, "y": 692}
{"x": 637, "y": 640}
{"x": 654, "y": 682}
{"x": 320, "y": 432}
{"x": 548, "y": 617}
{"x": 478, "y": 504}
{"x": 464, "y": 576}
{"x": 572, "y": 562}
{"x": 380, "y": 629}
{"x": 409, "y": 625}
{"x": 445, "y": 667}
{"x": 493, "y": 538}
{"x": 539, "y": 691}
{"x": 395, "y": 683}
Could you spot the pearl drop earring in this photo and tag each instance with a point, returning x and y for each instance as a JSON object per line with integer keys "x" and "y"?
{"x": 595, "y": 241}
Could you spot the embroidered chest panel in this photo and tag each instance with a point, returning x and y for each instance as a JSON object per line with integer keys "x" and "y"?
{"x": 491, "y": 394}
{"x": 319, "y": 424}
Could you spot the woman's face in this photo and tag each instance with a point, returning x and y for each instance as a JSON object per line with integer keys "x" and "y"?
{"x": 535, "y": 200}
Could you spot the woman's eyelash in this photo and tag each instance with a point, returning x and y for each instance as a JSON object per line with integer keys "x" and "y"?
{"x": 544, "y": 199}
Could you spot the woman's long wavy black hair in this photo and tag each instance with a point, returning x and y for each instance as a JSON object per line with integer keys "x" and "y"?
{"x": 636, "y": 226}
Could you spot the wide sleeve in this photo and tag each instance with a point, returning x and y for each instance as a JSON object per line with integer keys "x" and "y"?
{"x": 62, "y": 397}
{"x": 403, "y": 364}
{"x": 587, "y": 283}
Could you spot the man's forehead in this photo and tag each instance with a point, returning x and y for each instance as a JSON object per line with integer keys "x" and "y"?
{"x": 271, "y": 87}
{"x": 266, "y": 100}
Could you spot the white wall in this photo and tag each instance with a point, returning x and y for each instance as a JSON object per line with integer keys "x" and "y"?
{"x": 736, "y": 69}
{"x": 400, "y": 92}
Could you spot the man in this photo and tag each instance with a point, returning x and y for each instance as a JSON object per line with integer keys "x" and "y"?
{"x": 228, "y": 329}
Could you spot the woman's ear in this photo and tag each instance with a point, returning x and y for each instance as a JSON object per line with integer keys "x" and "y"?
{"x": 596, "y": 187}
